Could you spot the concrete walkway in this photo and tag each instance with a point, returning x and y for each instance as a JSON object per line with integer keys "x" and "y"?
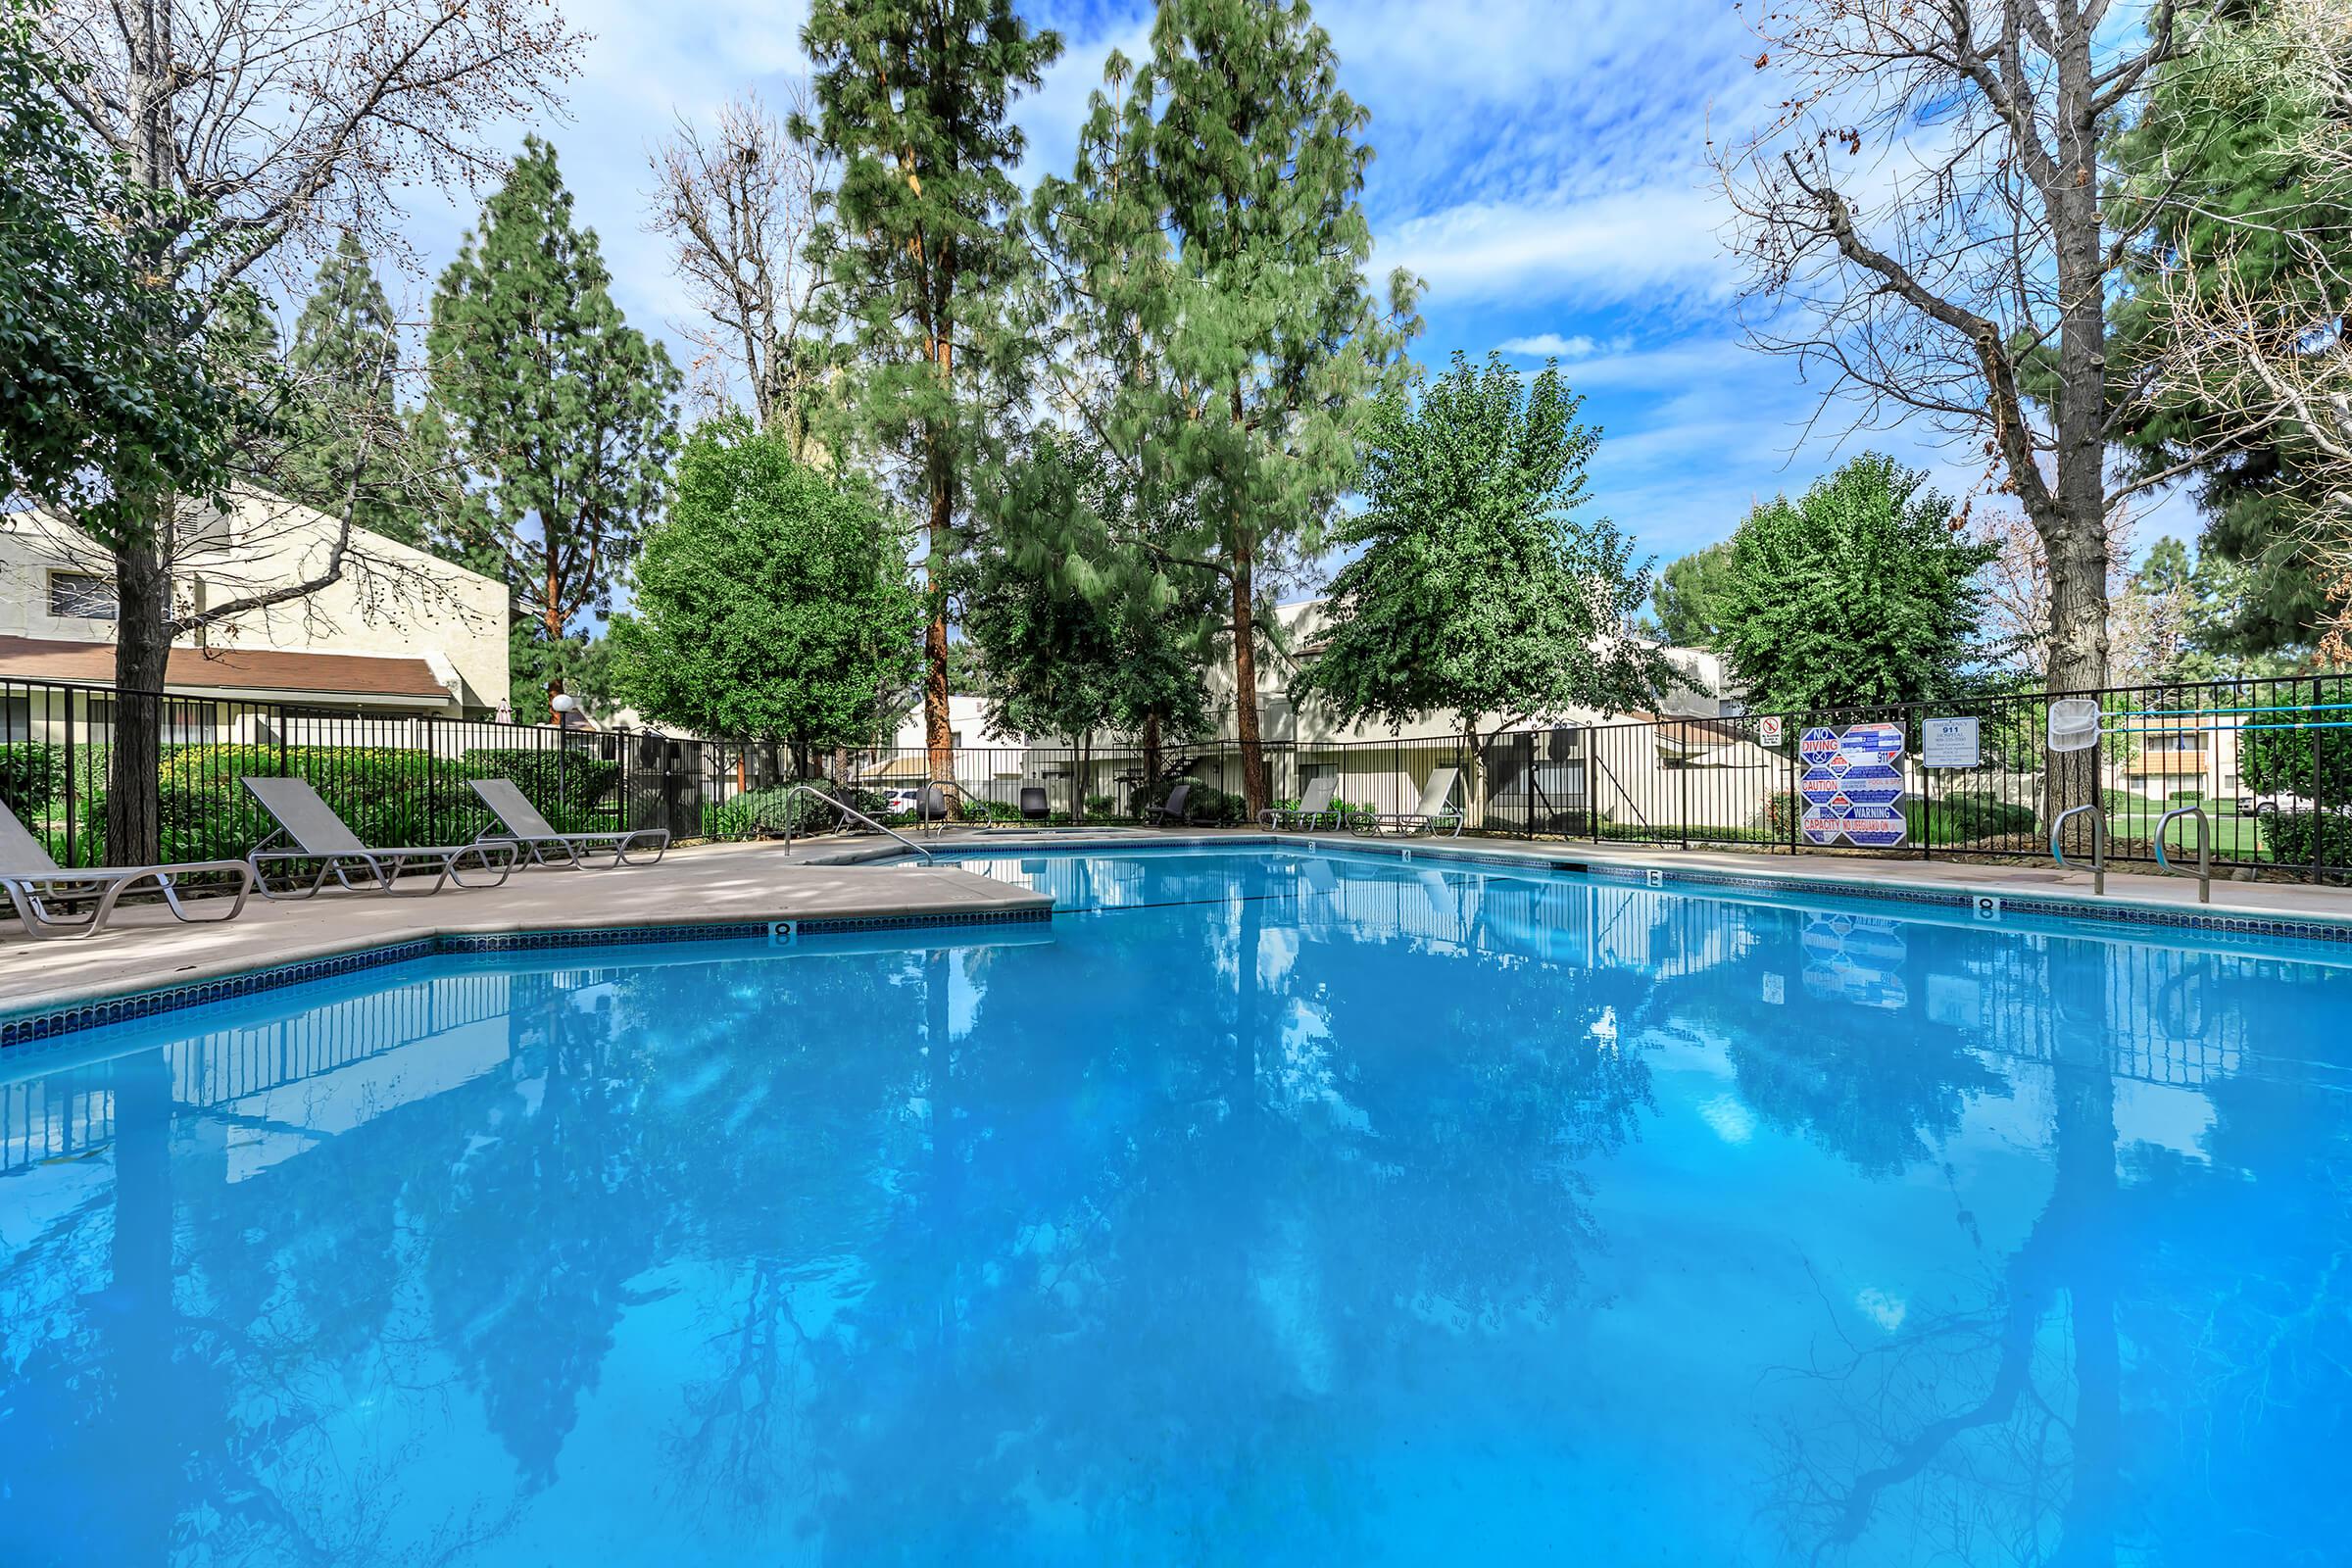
{"x": 142, "y": 947}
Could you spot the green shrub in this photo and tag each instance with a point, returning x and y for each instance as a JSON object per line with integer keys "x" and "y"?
{"x": 1102, "y": 806}
{"x": 1970, "y": 817}
{"x": 2289, "y": 834}
{"x": 2312, "y": 763}
{"x": 32, "y": 775}
{"x": 388, "y": 795}
{"x": 765, "y": 813}
{"x": 566, "y": 783}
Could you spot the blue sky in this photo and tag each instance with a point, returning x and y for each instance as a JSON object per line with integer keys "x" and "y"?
{"x": 1539, "y": 164}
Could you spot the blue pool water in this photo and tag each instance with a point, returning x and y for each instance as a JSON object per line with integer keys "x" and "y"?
{"x": 1262, "y": 1209}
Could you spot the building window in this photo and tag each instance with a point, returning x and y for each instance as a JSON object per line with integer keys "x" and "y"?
{"x": 80, "y": 596}
{"x": 16, "y": 719}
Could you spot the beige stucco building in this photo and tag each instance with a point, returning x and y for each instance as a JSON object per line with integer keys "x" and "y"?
{"x": 399, "y": 632}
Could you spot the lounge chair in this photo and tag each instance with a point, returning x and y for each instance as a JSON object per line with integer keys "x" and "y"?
{"x": 1313, "y": 810}
{"x": 314, "y": 832}
{"x": 1175, "y": 809}
{"x": 35, "y": 882}
{"x": 1034, "y": 805}
{"x": 1434, "y": 811}
{"x": 931, "y": 806}
{"x": 520, "y": 824}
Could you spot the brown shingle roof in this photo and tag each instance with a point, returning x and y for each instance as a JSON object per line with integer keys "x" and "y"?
{"x": 236, "y": 669}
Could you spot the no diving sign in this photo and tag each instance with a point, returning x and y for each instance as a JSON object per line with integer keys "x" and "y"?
{"x": 1852, "y": 787}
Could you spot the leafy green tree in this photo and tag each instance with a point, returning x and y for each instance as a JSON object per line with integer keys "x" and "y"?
{"x": 1861, "y": 593}
{"x": 94, "y": 406}
{"x": 1688, "y": 596}
{"x": 914, "y": 97}
{"x": 2225, "y": 164}
{"x": 774, "y": 602}
{"x": 1077, "y": 635}
{"x": 347, "y": 434}
{"x": 1212, "y": 249}
{"x": 1477, "y": 592}
{"x": 560, "y": 414}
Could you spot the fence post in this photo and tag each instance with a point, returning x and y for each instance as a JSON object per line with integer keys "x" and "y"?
{"x": 2318, "y": 819}
{"x": 1683, "y": 739}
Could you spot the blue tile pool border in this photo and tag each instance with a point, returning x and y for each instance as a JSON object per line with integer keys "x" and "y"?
{"x": 52, "y": 1021}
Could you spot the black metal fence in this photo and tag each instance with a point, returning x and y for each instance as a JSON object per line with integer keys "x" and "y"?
{"x": 2267, "y": 760}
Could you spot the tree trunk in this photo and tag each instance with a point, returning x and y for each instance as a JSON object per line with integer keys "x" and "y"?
{"x": 939, "y": 734}
{"x": 142, "y": 545}
{"x": 2073, "y": 527}
{"x": 1245, "y": 680}
{"x": 1151, "y": 748}
{"x": 551, "y": 621}
{"x": 142, "y": 650}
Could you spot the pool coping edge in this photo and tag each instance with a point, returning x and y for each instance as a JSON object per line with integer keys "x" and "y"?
{"x": 44, "y": 1021}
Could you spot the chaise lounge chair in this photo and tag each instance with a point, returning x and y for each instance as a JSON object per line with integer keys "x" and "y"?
{"x": 34, "y": 882}
{"x": 315, "y": 833}
{"x": 520, "y": 824}
{"x": 1175, "y": 809}
{"x": 1434, "y": 811}
{"x": 1313, "y": 810}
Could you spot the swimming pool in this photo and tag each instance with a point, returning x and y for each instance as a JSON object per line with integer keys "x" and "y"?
{"x": 1264, "y": 1207}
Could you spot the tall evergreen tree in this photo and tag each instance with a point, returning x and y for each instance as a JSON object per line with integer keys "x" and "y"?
{"x": 346, "y": 433}
{"x": 1076, "y": 635}
{"x": 2227, "y": 166}
{"x": 912, "y": 97}
{"x": 561, "y": 414}
{"x": 1214, "y": 246}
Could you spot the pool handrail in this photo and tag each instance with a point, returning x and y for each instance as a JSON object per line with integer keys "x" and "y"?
{"x": 2098, "y": 841}
{"x": 2204, "y": 847}
{"x": 846, "y": 810}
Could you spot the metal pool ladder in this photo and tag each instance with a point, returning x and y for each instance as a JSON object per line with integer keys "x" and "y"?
{"x": 846, "y": 810}
{"x": 2204, "y": 847}
{"x": 2098, "y": 841}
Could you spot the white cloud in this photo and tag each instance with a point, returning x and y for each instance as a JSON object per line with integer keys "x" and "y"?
{"x": 1550, "y": 346}
{"x": 1657, "y": 244}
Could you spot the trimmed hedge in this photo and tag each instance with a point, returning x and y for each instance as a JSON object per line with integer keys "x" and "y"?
{"x": 564, "y": 778}
{"x": 389, "y": 795}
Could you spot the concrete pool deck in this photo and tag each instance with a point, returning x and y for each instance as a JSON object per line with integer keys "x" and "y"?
{"x": 874, "y": 878}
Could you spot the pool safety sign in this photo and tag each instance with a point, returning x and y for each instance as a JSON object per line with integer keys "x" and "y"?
{"x": 1768, "y": 733}
{"x": 1951, "y": 743}
{"x": 1851, "y": 785}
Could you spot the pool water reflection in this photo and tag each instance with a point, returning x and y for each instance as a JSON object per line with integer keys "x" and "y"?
{"x": 1283, "y": 1210}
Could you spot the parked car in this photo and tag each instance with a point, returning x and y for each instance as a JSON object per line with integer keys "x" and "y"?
{"x": 899, "y": 802}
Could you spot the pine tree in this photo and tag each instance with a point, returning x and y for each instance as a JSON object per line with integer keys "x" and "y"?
{"x": 346, "y": 434}
{"x": 561, "y": 414}
{"x": 1078, "y": 634}
{"x": 912, "y": 97}
{"x": 1215, "y": 245}
{"x": 2226, "y": 165}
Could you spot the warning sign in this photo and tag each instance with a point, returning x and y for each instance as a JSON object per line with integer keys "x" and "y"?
{"x": 1852, "y": 786}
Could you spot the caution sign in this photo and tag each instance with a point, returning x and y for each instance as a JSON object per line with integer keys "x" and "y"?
{"x": 1852, "y": 786}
